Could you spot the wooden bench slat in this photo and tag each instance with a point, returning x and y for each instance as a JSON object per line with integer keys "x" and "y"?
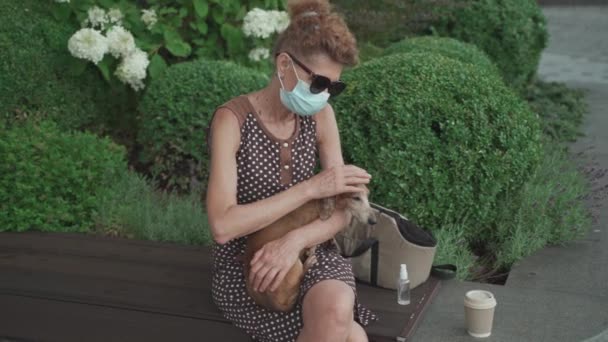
{"x": 107, "y": 248}
{"x": 52, "y": 320}
{"x": 83, "y": 272}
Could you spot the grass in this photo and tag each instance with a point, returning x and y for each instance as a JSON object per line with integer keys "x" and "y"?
{"x": 452, "y": 248}
{"x": 561, "y": 109}
{"x": 134, "y": 209}
{"x": 548, "y": 211}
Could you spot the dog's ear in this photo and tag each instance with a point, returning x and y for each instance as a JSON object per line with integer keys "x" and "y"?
{"x": 327, "y": 206}
{"x": 341, "y": 200}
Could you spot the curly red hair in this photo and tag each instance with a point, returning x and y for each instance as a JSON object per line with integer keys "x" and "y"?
{"x": 314, "y": 28}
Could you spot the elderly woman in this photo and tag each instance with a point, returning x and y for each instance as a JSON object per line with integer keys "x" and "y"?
{"x": 264, "y": 147}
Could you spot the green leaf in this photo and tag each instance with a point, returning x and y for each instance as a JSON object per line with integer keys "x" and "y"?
{"x": 180, "y": 49}
{"x": 201, "y": 7}
{"x": 218, "y": 15}
{"x": 104, "y": 67}
{"x": 167, "y": 10}
{"x": 233, "y": 37}
{"x": 157, "y": 66}
{"x": 202, "y": 27}
{"x": 183, "y": 12}
{"x": 61, "y": 12}
{"x": 199, "y": 41}
{"x": 106, "y": 3}
{"x": 241, "y": 14}
{"x": 83, "y": 6}
{"x": 175, "y": 44}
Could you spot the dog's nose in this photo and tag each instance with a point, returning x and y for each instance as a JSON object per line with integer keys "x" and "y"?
{"x": 371, "y": 220}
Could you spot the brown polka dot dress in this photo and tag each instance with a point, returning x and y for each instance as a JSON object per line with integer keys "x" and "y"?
{"x": 267, "y": 165}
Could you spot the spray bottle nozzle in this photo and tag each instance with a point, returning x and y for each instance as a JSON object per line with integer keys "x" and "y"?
{"x": 403, "y": 272}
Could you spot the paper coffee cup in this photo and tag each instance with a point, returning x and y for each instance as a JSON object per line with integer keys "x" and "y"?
{"x": 479, "y": 312}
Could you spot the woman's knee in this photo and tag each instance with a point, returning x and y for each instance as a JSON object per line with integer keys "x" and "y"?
{"x": 330, "y": 301}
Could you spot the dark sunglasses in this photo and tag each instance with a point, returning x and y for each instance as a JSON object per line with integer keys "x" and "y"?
{"x": 320, "y": 82}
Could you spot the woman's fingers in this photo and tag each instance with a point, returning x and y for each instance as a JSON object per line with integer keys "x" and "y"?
{"x": 352, "y": 170}
{"x": 353, "y": 189}
{"x": 259, "y": 276}
{"x": 277, "y": 280}
{"x": 356, "y": 180}
{"x": 255, "y": 264}
{"x": 270, "y": 276}
{"x": 255, "y": 258}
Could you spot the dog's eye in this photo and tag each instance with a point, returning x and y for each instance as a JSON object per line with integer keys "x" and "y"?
{"x": 357, "y": 198}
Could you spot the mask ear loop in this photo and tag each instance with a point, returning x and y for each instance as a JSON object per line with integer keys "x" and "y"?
{"x": 280, "y": 80}
{"x": 294, "y": 70}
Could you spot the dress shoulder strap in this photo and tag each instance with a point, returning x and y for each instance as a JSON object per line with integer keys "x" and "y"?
{"x": 239, "y": 106}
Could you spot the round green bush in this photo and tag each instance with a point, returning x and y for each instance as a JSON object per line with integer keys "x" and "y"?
{"x": 176, "y": 110}
{"x": 449, "y": 47}
{"x": 441, "y": 138}
{"x": 513, "y": 33}
{"x": 383, "y": 22}
{"x": 50, "y": 179}
{"x": 36, "y": 70}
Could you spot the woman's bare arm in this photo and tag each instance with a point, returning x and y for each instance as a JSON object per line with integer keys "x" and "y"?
{"x": 229, "y": 220}
{"x": 318, "y": 231}
{"x": 330, "y": 155}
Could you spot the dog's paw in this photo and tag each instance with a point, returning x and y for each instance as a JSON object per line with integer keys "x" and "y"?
{"x": 310, "y": 262}
{"x": 311, "y": 251}
{"x": 326, "y": 207}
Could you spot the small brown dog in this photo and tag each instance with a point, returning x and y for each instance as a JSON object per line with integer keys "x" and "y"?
{"x": 285, "y": 296}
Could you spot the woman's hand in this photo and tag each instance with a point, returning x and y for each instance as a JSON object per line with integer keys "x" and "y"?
{"x": 336, "y": 180}
{"x": 271, "y": 263}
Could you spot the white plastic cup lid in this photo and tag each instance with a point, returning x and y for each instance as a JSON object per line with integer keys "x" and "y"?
{"x": 479, "y": 299}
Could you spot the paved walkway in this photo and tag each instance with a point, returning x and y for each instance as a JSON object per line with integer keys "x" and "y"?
{"x": 559, "y": 293}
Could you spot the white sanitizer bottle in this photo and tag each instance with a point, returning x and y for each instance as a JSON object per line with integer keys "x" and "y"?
{"x": 403, "y": 286}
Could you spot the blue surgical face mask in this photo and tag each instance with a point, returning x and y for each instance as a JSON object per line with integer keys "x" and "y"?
{"x": 300, "y": 100}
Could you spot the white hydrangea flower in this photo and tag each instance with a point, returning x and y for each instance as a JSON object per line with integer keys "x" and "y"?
{"x": 62, "y": 1}
{"x": 261, "y": 24}
{"x": 97, "y": 17}
{"x": 258, "y": 54}
{"x": 120, "y": 41}
{"x": 132, "y": 69}
{"x": 88, "y": 44}
{"x": 149, "y": 17}
{"x": 256, "y": 23}
{"x": 115, "y": 16}
{"x": 281, "y": 20}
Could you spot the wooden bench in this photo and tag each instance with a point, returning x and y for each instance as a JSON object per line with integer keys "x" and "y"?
{"x": 82, "y": 287}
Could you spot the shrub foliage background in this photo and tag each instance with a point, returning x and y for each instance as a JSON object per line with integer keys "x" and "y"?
{"x": 176, "y": 110}
{"x": 448, "y": 143}
{"x": 443, "y": 138}
{"x": 513, "y": 33}
{"x": 446, "y": 46}
{"x": 50, "y": 179}
{"x": 36, "y": 71}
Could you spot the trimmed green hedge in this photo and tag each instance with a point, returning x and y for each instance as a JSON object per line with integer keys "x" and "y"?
{"x": 442, "y": 139}
{"x": 449, "y": 47}
{"x": 513, "y": 33}
{"x": 176, "y": 110}
{"x": 35, "y": 69}
{"x": 50, "y": 179}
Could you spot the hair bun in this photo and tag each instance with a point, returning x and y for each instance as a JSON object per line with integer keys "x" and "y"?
{"x": 314, "y": 28}
{"x": 308, "y": 9}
